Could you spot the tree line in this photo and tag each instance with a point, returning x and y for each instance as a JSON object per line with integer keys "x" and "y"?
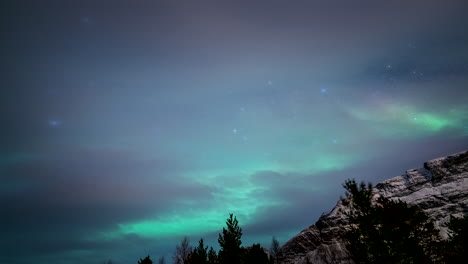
{"x": 392, "y": 231}
{"x": 382, "y": 231}
{"x": 231, "y": 251}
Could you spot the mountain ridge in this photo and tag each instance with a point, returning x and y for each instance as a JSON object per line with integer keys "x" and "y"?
{"x": 439, "y": 188}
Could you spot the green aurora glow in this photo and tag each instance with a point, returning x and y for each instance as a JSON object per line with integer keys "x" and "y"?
{"x": 128, "y": 126}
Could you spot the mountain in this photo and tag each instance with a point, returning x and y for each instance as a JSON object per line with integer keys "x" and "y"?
{"x": 440, "y": 189}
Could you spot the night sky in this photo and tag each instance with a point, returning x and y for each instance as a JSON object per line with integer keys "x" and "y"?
{"x": 126, "y": 125}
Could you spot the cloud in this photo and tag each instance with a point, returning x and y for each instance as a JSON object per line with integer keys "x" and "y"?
{"x": 308, "y": 196}
{"x": 146, "y": 99}
{"x": 58, "y": 202}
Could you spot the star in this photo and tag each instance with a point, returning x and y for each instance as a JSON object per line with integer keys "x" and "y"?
{"x": 54, "y": 123}
{"x": 234, "y": 131}
{"x": 86, "y": 20}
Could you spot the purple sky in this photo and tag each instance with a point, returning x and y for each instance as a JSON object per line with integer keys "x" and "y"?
{"x": 126, "y": 125}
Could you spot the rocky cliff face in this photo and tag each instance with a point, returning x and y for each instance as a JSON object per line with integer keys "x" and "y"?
{"x": 440, "y": 189}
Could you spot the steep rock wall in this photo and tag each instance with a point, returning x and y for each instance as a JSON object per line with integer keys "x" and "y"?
{"x": 440, "y": 188}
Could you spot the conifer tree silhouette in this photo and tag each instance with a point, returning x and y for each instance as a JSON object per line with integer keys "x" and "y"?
{"x": 146, "y": 260}
{"x": 230, "y": 241}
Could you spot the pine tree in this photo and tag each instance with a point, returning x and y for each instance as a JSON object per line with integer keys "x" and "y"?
{"x": 199, "y": 255}
{"x": 388, "y": 231}
{"x": 456, "y": 248}
{"x": 212, "y": 256}
{"x": 255, "y": 255}
{"x": 230, "y": 241}
{"x": 146, "y": 260}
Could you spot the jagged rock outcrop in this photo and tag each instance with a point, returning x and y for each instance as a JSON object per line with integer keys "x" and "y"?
{"x": 440, "y": 189}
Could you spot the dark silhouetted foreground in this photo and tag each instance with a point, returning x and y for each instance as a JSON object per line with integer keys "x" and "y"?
{"x": 382, "y": 231}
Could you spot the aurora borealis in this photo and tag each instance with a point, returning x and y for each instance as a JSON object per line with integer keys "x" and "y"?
{"x": 126, "y": 125}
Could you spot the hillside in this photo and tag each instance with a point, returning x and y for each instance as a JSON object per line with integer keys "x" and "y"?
{"x": 440, "y": 189}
